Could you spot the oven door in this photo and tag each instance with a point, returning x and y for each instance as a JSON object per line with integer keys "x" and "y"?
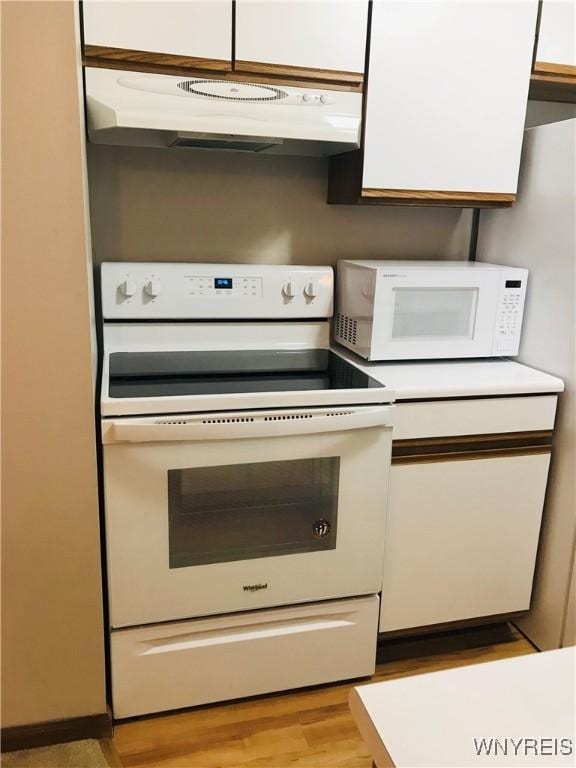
{"x": 438, "y": 313}
{"x": 215, "y": 513}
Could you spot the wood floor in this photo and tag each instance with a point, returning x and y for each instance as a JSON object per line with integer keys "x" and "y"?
{"x": 311, "y": 727}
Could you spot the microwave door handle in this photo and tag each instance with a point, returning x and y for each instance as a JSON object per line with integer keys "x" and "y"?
{"x": 228, "y": 428}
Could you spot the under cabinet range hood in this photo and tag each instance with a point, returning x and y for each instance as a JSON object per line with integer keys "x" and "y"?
{"x": 137, "y": 109}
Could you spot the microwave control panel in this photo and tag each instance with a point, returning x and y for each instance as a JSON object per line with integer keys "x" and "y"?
{"x": 142, "y": 291}
{"x": 510, "y": 311}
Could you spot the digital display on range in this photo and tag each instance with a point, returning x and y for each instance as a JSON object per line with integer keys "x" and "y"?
{"x": 222, "y": 282}
{"x": 513, "y": 283}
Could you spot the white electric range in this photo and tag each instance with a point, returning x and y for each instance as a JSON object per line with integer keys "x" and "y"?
{"x": 245, "y": 482}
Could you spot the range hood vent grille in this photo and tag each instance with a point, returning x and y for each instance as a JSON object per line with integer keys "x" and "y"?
{"x": 226, "y": 90}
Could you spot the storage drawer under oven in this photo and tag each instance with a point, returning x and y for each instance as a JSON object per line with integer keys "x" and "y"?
{"x": 186, "y": 663}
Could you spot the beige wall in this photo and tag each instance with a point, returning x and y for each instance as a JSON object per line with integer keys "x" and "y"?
{"x": 569, "y": 634}
{"x": 52, "y": 633}
{"x": 179, "y": 205}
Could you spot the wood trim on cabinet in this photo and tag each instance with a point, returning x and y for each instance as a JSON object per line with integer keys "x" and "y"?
{"x": 466, "y": 447}
{"x": 345, "y": 188}
{"x": 56, "y": 732}
{"x": 438, "y": 197}
{"x": 350, "y": 81}
{"x": 493, "y": 453}
{"x": 558, "y": 70}
{"x": 167, "y": 64}
{"x": 553, "y": 82}
{"x": 547, "y": 88}
{"x": 149, "y": 61}
{"x": 325, "y": 85}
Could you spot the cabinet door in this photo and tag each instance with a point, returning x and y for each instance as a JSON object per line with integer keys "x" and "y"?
{"x": 557, "y": 36}
{"x": 447, "y": 90}
{"x": 554, "y": 77}
{"x": 323, "y": 39}
{"x": 188, "y": 29}
{"x": 461, "y": 539}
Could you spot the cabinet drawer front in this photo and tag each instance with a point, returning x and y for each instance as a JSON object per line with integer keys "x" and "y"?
{"x": 487, "y": 416}
{"x": 186, "y": 663}
{"x": 461, "y": 539}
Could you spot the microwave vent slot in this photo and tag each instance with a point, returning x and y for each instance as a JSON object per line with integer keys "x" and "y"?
{"x": 347, "y": 329}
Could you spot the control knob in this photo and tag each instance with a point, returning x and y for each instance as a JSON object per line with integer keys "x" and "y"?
{"x": 128, "y": 287}
{"x": 289, "y": 290}
{"x": 311, "y": 289}
{"x": 152, "y": 287}
{"x": 311, "y": 98}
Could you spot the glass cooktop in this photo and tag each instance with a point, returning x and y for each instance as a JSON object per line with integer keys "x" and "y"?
{"x": 161, "y": 374}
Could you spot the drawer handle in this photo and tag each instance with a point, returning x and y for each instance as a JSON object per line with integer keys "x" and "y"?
{"x": 189, "y": 641}
{"x": 303, "y": 422}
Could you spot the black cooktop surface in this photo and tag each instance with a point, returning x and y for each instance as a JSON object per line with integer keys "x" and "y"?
{"x": 161, "y": 374}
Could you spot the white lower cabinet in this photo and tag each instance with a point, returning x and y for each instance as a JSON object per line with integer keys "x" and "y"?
{"x": 461, "y": 538}
{"x": 185, "y": 663}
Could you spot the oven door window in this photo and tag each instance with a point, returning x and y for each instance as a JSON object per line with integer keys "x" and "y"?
{"x": 246, "y": 511}
{"x": 434, "y": 313}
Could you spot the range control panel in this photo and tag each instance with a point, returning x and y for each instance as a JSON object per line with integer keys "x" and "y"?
{"x": 146, "y": 291}
{"x": 225, "y": 286}
{"x": 510, "y": 311}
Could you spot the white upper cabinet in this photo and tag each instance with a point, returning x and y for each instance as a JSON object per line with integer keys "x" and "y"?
{"x": 446, "y": 100}
{"x": 191, "y": 29}
{"x": 315, "y": 34}
{"x": 557, "y": 35}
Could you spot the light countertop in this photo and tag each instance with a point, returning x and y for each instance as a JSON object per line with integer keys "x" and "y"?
{"x": 434, "y": 719}
{"x": 461, "y": 378}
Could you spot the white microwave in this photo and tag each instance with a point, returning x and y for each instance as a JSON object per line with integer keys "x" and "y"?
{"x": 418, "y": 310}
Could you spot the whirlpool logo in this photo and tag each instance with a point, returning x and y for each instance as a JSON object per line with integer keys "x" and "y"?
{"x": 254, "y": 587}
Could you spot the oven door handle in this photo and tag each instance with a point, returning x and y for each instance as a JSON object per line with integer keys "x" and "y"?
{"x": 244, "y": 425}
